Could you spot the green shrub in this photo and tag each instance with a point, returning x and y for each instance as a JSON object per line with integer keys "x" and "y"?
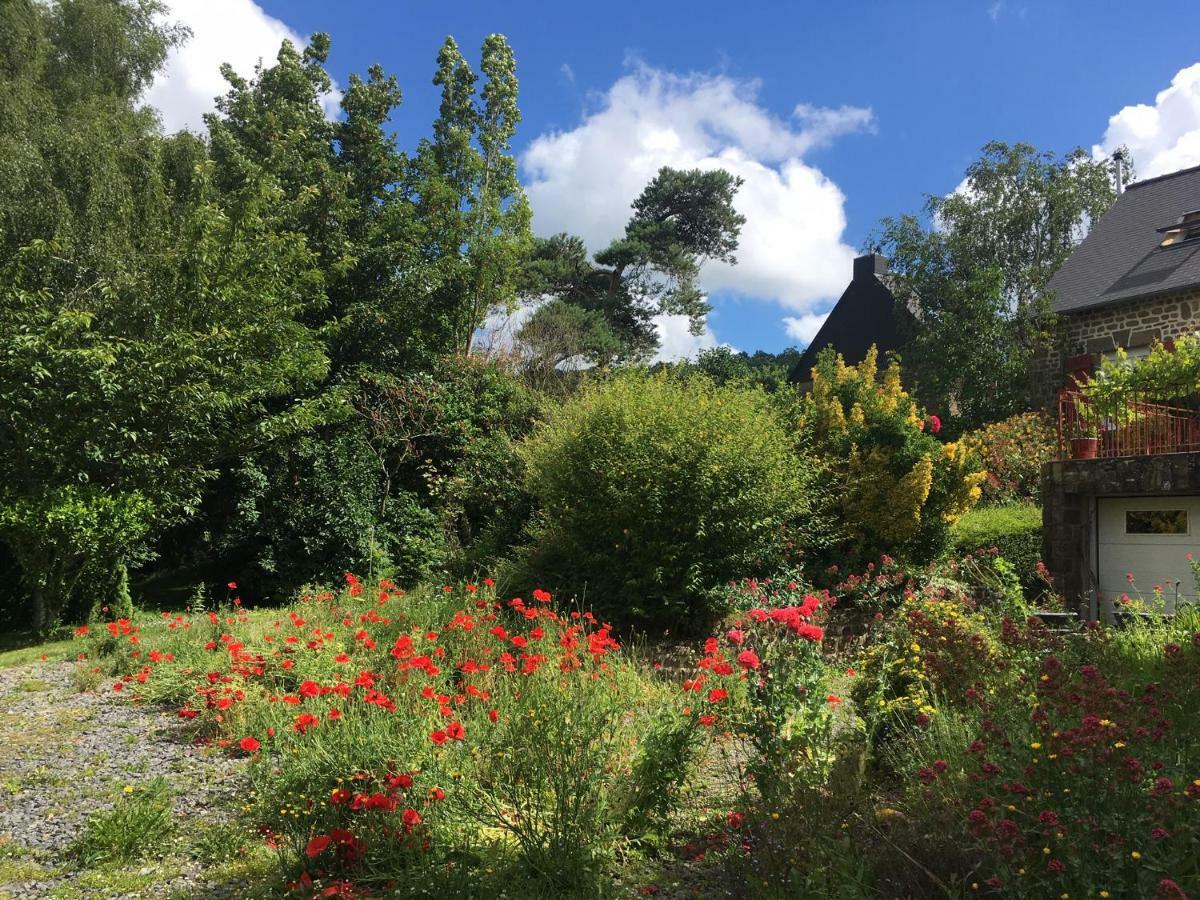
{"x": 653, "y": 491}
{"x": 896, "y": 487}
{"x": 1015, "y": 530}
{"x": 1014, "y": 451}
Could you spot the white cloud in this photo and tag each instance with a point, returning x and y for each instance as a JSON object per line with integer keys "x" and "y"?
{"x": 237, "y": 32}
{"x": 792, "y": 252}
{"x": 804, "y": 328}
{"x": 677, "y": 342}
{"x": 1164, "y": 137}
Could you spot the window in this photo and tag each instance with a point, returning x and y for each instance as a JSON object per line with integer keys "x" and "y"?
{"x": 1156, "y": 521}
{"x": 1186, "y": 229}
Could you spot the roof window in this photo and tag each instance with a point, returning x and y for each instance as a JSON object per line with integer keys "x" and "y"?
{"x": 1186, "y": 229}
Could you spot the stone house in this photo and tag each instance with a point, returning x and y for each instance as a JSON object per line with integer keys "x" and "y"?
{"x": 1133, "y": 280}
{"x": 1125, "y": 521}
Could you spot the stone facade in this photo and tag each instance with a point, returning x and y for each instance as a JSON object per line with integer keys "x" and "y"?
{"x": 1070, "y": 489}
{"x": 1135, "y": 323}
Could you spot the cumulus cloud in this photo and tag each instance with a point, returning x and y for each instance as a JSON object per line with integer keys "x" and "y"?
{"x": 677, "y": 342}
{"x": 583, "y": 180}
{"x": 1164, "y": 137}
{"x": 237, "y": 32}
{"x": 804, "y": 328}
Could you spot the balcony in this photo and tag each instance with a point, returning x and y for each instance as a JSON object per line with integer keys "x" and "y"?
{"x": 1130, "y": 423}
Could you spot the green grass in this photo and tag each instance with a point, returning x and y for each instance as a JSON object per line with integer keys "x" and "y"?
{"x": 20, "y": 648}
{"x": 139, "y": 823}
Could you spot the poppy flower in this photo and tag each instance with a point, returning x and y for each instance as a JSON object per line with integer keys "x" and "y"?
{"x": 249, "y": 744}
{"x": 455, "y": 731}
{"x": 438, "y": 737}
{"x": 748, "y": 659}
{"x": 317, "y": 846}
{"x": 411, "y": 819}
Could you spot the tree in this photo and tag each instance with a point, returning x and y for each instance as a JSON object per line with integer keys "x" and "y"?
{"x": 471, "y": 213}
{"x": 973, "y": 269}
{"x": 679, "y": 221}
{"x": 149, "y": 322}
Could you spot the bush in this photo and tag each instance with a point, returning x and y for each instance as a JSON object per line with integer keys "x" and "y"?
{"x": 1014, "y": 530}
{"x": 897, "y": 487}
{"x": 1013, "y": 451}
{"x": 654, "y": 491}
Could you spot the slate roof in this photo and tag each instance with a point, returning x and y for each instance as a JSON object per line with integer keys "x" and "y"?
{"x": 1121, "y": 259}
{"x": 864, "y": 315}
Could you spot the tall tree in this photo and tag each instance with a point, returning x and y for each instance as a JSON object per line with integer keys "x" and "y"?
{"x": 472, "y": 214}
{"x": 973, "y": 269}
{"x": 680, "y": 220}
{"x": 148, "y": 321}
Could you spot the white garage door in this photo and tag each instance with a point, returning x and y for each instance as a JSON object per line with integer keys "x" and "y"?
{"x": 1151, "y": 538}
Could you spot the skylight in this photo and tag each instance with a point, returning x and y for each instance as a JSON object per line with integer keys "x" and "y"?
{"x": 1186, "y": 229}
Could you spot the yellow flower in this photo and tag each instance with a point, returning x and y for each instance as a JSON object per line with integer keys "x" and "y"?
{"x": 1135, "y": 855}
{"x": 1035, "y": 746}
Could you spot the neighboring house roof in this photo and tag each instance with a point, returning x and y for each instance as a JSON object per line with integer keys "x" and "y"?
{"x": 864, "y": 315}
{"x": 1122, "y": 258}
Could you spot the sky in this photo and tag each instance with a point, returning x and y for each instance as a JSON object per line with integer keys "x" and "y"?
{"x": 834, "y": 114}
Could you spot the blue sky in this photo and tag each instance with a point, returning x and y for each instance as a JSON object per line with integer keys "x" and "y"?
{"x": 895, "y": 100}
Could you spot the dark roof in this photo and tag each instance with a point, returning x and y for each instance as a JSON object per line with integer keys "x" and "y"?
{"x": 864, "y": 315}
{"x": 1121, "y": 259}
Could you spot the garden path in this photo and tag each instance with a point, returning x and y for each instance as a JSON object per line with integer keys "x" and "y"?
{"x": 66, "y": 755}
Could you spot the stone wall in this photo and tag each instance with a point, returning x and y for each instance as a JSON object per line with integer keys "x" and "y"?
{"x": 1136, "y": 323}
{"x": 1069, "y": 492}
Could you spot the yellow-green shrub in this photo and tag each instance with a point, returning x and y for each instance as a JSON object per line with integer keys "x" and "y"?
{"x": 897, "y": 487}
{"x": 652, "y": 491}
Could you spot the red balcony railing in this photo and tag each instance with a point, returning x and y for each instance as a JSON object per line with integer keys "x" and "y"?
{"x": 1136, "y": 427}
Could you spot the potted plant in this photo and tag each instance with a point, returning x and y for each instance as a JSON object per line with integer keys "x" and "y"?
{"x": 1085, "y": 440}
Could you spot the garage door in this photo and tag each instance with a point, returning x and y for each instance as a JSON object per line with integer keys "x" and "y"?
{"x": 1151, "y": 538}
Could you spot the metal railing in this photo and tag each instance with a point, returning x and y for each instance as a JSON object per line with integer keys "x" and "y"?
{"x": 1136, "y": 426}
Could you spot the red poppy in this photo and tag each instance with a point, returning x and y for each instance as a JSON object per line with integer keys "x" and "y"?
{"x": 249, "y": 744}
{"x": 438, "y": 737}
{"x": 411, "y": 819}
{"x": 455, "y": 731}
{"x": 317, "y": 846}
{"x": 748, "y": 659}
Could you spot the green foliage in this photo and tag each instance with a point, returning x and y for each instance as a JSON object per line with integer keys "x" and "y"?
{"x": 135, "y": 827}
{"x": 1013, "y": 451}
{"x": 973, "y": 269}
{"x": 1164, "y": 375}
{"x": 1014, "y": 530}
{"x": 724, "y": 365}
{"x": 652, "y": 491}
{"x": 681, "y": 219}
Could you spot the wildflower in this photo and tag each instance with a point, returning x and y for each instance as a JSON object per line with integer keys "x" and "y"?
{"x": 317, "y": 846}
{"x": 438, "y": 737}
{"x": 249, "y": 744}
{"x": 748, "y": 659}
{"x": 411, "y": 819}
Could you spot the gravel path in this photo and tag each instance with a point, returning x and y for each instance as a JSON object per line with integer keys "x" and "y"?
{"x": 65, "y": 755}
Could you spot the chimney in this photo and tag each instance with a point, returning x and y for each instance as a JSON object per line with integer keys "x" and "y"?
{"x": 1119, "y": 165}
{"x": 870, "y": 266}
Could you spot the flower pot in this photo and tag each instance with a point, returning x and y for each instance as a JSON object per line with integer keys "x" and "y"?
{"x": 1084, "y": 447}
